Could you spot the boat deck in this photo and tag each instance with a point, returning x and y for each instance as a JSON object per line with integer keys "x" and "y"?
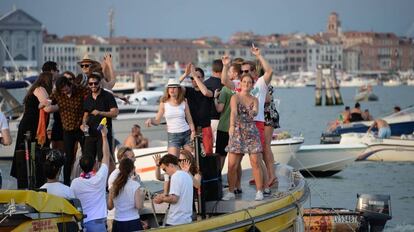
{"x": 242, "y": 201}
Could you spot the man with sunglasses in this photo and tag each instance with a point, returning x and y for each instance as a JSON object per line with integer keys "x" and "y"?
{"x": 180, "y": 195}
{"x": 98, "y": 104}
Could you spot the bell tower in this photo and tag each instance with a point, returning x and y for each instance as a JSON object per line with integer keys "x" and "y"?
{"x": 333, "y": 26}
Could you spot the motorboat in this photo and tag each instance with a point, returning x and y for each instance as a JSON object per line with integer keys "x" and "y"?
{"x": 325, "y": 159}
{"x": 401, "y": 122}
{"x": 364, "y": 93}
{"x": 391, "y": 149}
{"x": 278, "y": 212}
{"x": 143, "y": 101}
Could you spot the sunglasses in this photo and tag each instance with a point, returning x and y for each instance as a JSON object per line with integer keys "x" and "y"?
{"x": 181, "y": 160}
{"x": 96, "y": 83}
{"x": 245, "y": 71}
{"x": 85, "y": 65}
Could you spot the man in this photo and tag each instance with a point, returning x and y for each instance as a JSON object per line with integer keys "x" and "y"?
{"x": 90, "y": 188}
{"x": 180, "y": 195}
{"x": 384, "y": 130}
{"x": 136, "y": 139}
{"x": 68, "y": 99}
{"x": 199, "y": 100}
{"x": 88, "y": 65}
{"x": 356, "y": 113}
{"x": 213, "y": 83}
{"x": 98, "y": 104}
{"x": 260, "y": 89}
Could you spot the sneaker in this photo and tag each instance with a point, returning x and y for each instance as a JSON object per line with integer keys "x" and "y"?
{"x": 259, "y": 196}
{"x": 238, "y": 191}
{"x": 228, "y": 196}
{"x": 267, "y": 192}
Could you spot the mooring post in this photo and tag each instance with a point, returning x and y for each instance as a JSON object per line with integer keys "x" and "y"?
{"x": 335, "y": 86}
{"x": 318, "y": 86}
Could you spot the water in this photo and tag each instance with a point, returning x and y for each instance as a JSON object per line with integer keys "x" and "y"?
{"x": 300, "y": 115}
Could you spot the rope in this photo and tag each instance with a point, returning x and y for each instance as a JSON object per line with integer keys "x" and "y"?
{"x": 9, "y": 211}
{"x": 251, "y": 218}
{"x": 314, "y": 188}
{"x": 149, "y": 195}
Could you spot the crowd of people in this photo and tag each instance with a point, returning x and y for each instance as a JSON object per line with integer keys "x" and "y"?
{"x": 63, "y": 112}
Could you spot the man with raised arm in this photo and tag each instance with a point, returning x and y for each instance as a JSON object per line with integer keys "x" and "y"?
{"x": 89, "y": 188}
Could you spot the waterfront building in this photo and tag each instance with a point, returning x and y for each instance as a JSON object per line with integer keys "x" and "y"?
{"x": 62, "y": 52}
{"x": 323, "y": 52}
{"x": 21, "y": 34}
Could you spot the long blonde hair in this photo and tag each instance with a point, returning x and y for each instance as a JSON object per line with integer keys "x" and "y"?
{"x": 166, "y": 96}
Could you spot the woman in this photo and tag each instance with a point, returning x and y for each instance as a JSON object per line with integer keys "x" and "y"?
{"x": 127, "y": 198}
{"x": 271, "y": 123}
{"x": 244, "y": 137}
{"x": 180, "y": 125}
{"x": 38, "y": 93}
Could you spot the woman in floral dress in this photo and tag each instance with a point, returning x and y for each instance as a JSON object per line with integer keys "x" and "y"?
{"x": 244, "y": 137}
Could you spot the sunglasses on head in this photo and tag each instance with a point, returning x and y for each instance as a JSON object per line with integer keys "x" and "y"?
{"x": 85, "y": 65}
{"x": 95, "y": 83}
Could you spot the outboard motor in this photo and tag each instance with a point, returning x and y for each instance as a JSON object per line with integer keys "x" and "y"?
{"x": 376, "y": 210}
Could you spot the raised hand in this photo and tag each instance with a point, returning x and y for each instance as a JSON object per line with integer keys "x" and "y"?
{"x": 187, "y": 70}
{"x": 157, "y": 158}
{"x": 185, "y": 165}
{"x": 255, "y": 50}
{"x": 148, "y": 122}
{"x": 226, "y": 60}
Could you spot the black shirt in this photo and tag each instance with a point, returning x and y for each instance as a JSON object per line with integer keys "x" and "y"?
{"x": 105, "y": 101}
{"x": 213, "y": 83}
{"x": 200, "y": 107}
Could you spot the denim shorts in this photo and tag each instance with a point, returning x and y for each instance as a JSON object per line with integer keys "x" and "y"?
{"x": 95, "y": 225}
{"x": 179, "y": 139}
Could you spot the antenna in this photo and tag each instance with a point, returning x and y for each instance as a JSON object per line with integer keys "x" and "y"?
{"x": 111, "y": 22}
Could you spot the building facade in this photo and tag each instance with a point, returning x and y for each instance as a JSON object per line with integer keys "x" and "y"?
{"x": 21, "y": 41}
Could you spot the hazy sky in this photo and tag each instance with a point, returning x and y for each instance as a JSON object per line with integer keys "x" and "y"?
{"x": 195, "y": 18}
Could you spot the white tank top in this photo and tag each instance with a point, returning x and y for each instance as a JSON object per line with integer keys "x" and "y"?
{"x": 175, "y": 117}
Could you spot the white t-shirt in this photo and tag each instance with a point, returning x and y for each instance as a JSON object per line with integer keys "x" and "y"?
{"x": 175, "y": 118}
{"x": 59, "y": 189}
{"x": 91, "y": 193}
{"x": 260, "y": 91}
{"x": 3, "y": 122}
{"x": 181, "y": 185}
{"x": 111, "y": 179}
{"x": 125, "y": 202}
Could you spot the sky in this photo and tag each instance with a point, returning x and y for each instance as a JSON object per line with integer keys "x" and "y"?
{"x": 196, "y": 18}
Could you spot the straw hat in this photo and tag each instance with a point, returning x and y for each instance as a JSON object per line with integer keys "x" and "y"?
{"x": 173, "y": 83}
{"x": 87, "y": 59}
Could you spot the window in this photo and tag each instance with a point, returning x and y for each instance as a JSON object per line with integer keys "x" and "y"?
{"x": 33, "y": 53}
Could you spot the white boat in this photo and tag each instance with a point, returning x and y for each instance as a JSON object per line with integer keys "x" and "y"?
{"x": 282, "y": 150}
{"x": 364, "y": 93}
{"x": 143, "y": 101}
{"x": 325, "y": 159}
{"x": 392, "y": 149}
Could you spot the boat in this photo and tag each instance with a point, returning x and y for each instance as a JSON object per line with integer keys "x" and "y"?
{"x": 371, "y": 214}
{"x": 143, "y": 101}
{"x": 391, "y": 149}
{"x": 401, "y": 122}
{"x": 364, "y": 93}
{"x": 278, "y": 212}
{"x": 282, "y": 150}
{"x": 26, "y": 210}
{"x": 325, "y": 159}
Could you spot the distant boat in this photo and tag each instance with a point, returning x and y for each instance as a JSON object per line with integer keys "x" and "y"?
{"x": 401, "y": 123}
{"x": 143, "y": 101}
{"x": 364, "y": 93}
{"x": 392, "y": 149}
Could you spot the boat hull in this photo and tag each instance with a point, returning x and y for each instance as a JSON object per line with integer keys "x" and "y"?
{"x": 325, "y": 160}
{"x": 282, "y": 150}
{"x": 393, "y": 149}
